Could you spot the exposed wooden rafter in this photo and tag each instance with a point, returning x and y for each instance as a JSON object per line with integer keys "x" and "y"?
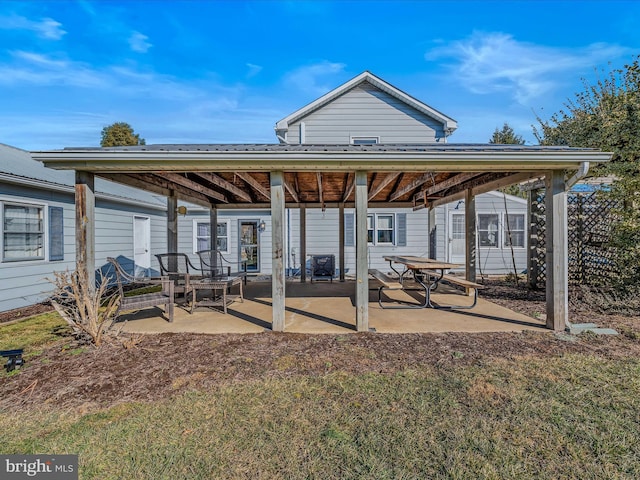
{"x": 292, "y": 191}
{"x": 224, "y": 184}
{"x": 320, "y": 193}
{"x": 178, "y": 179}
{"x": 351, "y": 183}
{"x": 450, "y": 182}
{"x": 418, "y": 182}
{"x": 253, "y": 183}
{"x": 385, "y": 181}
{"x": 161, "y": 186}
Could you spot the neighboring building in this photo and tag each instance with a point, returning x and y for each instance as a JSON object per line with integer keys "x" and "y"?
{"x": 37, "y": 211}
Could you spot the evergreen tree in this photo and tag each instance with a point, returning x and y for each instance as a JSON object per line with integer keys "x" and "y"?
{"x": 506, "y": 136}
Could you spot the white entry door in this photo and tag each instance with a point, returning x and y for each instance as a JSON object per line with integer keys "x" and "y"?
{"x": 457, "y": 245}
{"x": 142, "y": 245}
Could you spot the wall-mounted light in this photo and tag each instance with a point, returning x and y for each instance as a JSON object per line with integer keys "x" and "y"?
{"x": 262, "y": 226}
{"x": 182, "y": 210}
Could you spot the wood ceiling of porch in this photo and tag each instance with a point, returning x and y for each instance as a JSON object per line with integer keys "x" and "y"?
{"x": 252, "y": 189}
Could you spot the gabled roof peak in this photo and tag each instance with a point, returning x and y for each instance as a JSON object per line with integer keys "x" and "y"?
{"x": 366, "y": 76}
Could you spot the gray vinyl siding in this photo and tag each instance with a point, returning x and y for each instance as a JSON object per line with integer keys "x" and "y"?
{"x": 490, "y": 261}
{"x": 25, "y": 282}
{"x": 323, "y": 238}
{"x": 186, "y": 234}
{"x": 366, "y": 111}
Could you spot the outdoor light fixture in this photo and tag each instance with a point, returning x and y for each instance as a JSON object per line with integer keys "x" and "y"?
{"x": 262, "y": 226}
{"x": 182, "y": 210}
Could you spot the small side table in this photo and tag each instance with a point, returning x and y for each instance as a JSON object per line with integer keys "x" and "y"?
{"x": 214, "y": 284}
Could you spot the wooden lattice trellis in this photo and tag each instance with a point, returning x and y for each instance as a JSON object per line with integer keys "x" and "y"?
{"x": 589, "y": 218}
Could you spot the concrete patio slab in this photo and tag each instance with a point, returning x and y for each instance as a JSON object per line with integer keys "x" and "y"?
{"x": 330, "y": 308}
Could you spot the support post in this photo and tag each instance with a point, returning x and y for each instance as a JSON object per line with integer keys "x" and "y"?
{"x": 277, "y": 241}
{"x": 213, "y": 230}
{"x": 86, "y": 228}
{"x": 532, "y": 241}
{"x": 341, "y": 241}
{"x": 433, "y": 239}
{"x": 172, "y": 223}
{"x": 303, "y": 243}
{"x": 470, "y": 235}
{"x": 362, "y": 264}
{"x": 557, "y": 251}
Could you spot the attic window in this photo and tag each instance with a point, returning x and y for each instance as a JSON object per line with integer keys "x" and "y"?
{"x": 365, "y": 140}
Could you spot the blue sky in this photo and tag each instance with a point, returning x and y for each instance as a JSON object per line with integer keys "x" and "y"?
{"x": 225, "y": 72}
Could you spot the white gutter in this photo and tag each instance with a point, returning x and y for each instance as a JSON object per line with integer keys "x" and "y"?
{"x": 580, "y": 174}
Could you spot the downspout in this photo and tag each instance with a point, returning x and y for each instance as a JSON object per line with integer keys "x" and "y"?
{"x": 580, "y": 174}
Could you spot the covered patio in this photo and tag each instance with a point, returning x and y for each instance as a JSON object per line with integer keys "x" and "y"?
{"x": 276, "y": 177}
{"x": 327, "y": 308}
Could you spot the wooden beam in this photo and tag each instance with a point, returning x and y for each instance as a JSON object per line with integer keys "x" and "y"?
{"x": 191, "y": 185}
{"x": 253, "y": 183}
{"x": 277, "y": 256}
{"x": 557, "y": 251}
{"x": 362, "y": 265}
{"x": 418, "y": 182}
{"x": 351, "y": 183}
{"x": 448, "y": 183}
{"x": 292, "y": 191}
{"x": 385, "y": 181}
{"x": 161, "y": 186}
{"x": 224, "y": 184}
{"x": 320, "y": 193}
{"x": 86, "y": 228}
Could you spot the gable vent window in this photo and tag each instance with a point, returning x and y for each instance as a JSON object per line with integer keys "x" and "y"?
{"x": 365, "y": 140}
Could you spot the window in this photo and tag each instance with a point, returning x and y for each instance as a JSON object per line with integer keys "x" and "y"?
{"x": 488, "y": 230}
{"x": 365, "y": 140}
{"x": 380, "y": 229}
{"x": 384, "y": 225}
{"x": 514, "y": 223}
{"x": 202, "y": 236}
{"x": 370, "y": 229}
{"x": 22, "y": 232}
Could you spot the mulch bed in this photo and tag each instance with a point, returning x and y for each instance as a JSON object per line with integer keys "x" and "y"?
{"x": 152, "y": 367}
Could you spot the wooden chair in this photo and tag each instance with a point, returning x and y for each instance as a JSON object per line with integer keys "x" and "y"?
{"x": 180, "y": 270}
{"x": 214, "y": 264}
{"x": 145, "y": 300}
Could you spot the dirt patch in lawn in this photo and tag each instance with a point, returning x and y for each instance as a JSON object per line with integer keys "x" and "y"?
{"x": 152, "y": 367}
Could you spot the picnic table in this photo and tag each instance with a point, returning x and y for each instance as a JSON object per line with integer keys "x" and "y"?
{"x": 427, "y": 274}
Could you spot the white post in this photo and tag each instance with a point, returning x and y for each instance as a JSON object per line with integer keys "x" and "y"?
{"x": 557, "y": 267}
{"x": 277, "y": 241}
{"x": 362, "y": 264}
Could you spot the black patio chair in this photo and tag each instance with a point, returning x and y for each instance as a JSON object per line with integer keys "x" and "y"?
{"x": 145, "y": 300}
{"x": 214, "y": 264}
{"x": 178, "y": 267}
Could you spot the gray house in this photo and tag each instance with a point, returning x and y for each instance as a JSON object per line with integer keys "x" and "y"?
{"x": 366, "y": 110}
{"x": 38, "y": 226}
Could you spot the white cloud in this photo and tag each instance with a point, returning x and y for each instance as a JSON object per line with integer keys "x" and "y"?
{"x": 311, "y": 78}
{"x": 496, "y": 62}
{"x": 138, "y": 42}
{"x": 46, "y": 28}
{"x": 253, "y": 70}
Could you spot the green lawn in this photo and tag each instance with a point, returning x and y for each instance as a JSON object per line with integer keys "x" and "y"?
{"x": 575, "y": 416}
